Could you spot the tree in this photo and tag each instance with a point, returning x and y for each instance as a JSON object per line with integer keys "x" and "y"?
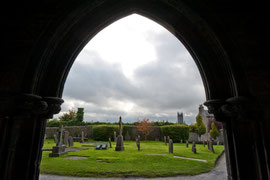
{"x": 79, "y": 114}
{"x": 70, "y": 116}
{"x": 143, "y": 127}
{"x": 200, "y": 125}
{"x": 214, "y": 131}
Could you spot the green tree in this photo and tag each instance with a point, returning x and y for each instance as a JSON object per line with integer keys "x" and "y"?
{"x": 70, "y": 116}
{"x": 200, "y": 125}
{"x": 214, "y": 131}
{"x": 79, "y": 114}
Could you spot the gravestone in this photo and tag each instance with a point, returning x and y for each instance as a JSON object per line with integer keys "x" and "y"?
{"x": 181, "y": 141}
{"x": 66, "y": 135}
{"x": 104, "y": 146}
{"x": 193, "y": 149}
{"x": 98, "y": 146}
{"x": 120, "y": 142}
{"x": 187, "y": 143}
{"x": 114, "y": 136}
{"x": 82, "y": 138}
{"x": 55, "y": 139}
{"x": 138, "y": 143}
{"x": 211, "y": 146}
{"x": 127, "y": 136}
{"x": 170, "y": 146}
{"x": 59, "y": 149}
{"x": 165, "y": 140}
{"x": 110, "y": 142}
{"x": 70, "y": 141}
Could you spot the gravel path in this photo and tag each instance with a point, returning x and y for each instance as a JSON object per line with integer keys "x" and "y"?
{"x": 218, "y": 173}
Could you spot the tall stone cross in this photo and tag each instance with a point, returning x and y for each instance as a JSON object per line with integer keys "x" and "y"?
{"x": 120, "y": 126}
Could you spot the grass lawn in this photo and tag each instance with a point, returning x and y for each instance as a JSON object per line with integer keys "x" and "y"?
{"x": 131, "y": 162}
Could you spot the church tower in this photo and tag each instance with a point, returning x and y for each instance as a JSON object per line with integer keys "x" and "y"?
{"x": 180, "y": 118}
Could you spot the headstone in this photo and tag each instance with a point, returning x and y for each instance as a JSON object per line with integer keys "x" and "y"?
{"x": 110, "y": 142}
{"x": 55, "y": 139}
{"x": 170, "y": 146}
{"x": 66, "y": 135}
{"x": 59, "y": 149}
{"x": 193, "y": 149}
{"x": 98, "y": 146}
{"x": 120, "y": 142}
{"x": 70, "y": 141}
{"x": 187, "y": 143}
{"x": 114, "y": 136}
{"x": 138, "y": 143}
{"x": 211, "y": 146}
{"x": 127, "y": 136}
{"x": 104, "y": 146}
{"x": 60, "y": 136}
{"x": 181, "y": 141}
{"x": 165, "y": 140}
{"x": 82, "y": 138}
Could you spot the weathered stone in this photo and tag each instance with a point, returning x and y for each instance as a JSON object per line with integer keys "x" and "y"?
{"x": 187, "y": 144}
{"x": 138, "y": 143}
{"x": 82, "y": 137}
{"x": 55, "y": 139}
{"x": 165, "y": 140}
{"x": 170, "y": 146}
{"x": 114, "y": 136}
{"x": 70, "y": 141}
{"x": 110, "y": 142}
{"x": 66, "y": 136}
{"x": 120, "y": 142}
{"x": 193, "y": 149}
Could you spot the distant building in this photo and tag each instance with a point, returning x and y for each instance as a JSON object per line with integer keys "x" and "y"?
{"x": 180, "y": 118}
{"x": 206, "y": 117}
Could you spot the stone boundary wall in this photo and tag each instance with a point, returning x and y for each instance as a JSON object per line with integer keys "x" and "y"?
{"x": 75, "y": 131}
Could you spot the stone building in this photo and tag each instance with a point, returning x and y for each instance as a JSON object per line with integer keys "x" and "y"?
{"x": 180, "y": 118}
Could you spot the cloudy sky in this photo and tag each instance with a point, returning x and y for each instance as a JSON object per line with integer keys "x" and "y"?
{"x": 136, "y": 69}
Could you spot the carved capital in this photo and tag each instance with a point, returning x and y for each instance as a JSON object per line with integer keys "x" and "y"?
{"x": 239, "y": 107}
{"x": 54, "y": 105}
{"x": 28, "y": 104}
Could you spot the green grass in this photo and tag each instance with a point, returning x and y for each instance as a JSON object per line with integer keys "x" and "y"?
{"x": 131, "y": 162}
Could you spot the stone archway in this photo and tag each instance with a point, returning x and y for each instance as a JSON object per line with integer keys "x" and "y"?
{"x": 61, "y": 29}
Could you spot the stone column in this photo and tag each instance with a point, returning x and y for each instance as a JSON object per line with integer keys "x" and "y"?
{"x": 243, "y": 137}
{"x": 22, "y": 129}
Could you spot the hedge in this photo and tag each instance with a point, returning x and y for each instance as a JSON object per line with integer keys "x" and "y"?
{"x": 129, "y": 129}
{"x": 57, "y": 123}
{"x": 104, "y": 132}
{"x": 176, "y": 132}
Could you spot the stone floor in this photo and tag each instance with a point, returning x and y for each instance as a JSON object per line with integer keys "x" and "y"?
{"x": 218, "y": 173}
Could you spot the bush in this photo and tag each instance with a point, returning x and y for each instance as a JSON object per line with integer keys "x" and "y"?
{"x": 193, "y": 128}
{"x": 104, "y": 132}
{"x": 53, "y": 123}
{"x": 176, "y": 132}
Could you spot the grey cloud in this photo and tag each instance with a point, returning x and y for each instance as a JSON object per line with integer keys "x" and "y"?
{"x": 170, "y": 84}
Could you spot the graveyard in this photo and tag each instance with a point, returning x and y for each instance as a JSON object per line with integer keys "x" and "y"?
{"x": 150, "y": 159}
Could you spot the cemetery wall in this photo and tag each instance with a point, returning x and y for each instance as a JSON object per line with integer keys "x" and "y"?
{"x": 75, "y": 131}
